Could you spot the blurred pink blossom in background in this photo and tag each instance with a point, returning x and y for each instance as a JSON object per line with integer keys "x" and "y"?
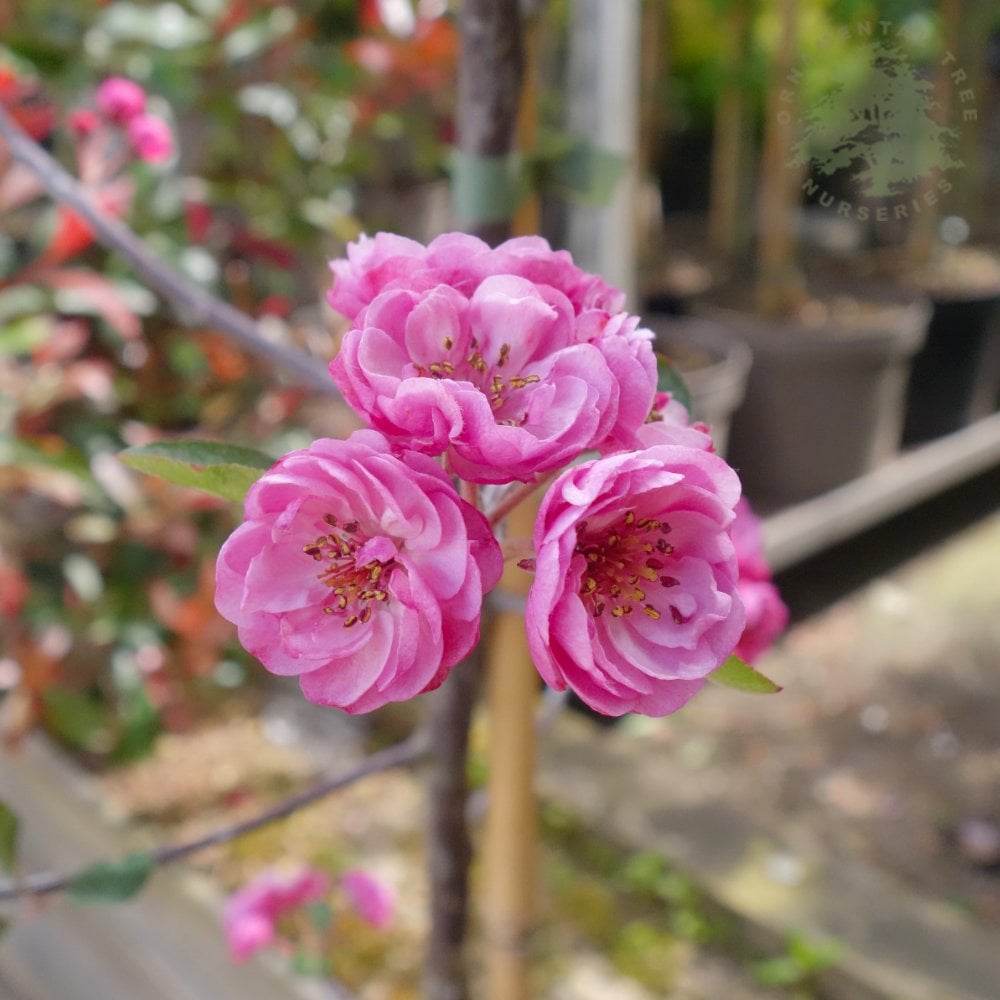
{"x": 250, "y": 915}
{"x": 151, "y": 138}
{"x": 767, "y": 614}
{"x": 373, "y": 900}
{"x": 120, "y": 99}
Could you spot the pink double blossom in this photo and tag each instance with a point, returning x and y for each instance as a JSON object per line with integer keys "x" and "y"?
{"x": 634, "y": 600}
{"x": 250, "y": 915}
{"x": 508, "y": 360}
{"x": 373, "y": 900}
{"x": 357, "y": 570}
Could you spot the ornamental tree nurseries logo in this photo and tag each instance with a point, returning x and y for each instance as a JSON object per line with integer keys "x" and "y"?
{"x": 885, "y": 130}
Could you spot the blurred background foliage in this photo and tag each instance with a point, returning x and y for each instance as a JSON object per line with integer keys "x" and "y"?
{"x": 288, "y": 119}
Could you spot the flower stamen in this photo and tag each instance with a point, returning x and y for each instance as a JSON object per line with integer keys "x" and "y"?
{"x": 618, "y": 557}
{"x": 353, "y": 586}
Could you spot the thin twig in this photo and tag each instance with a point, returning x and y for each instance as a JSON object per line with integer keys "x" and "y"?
{"x": 195, "y": 306}
{"x": 405, "y": 752}
{"x": 513, "y": 498}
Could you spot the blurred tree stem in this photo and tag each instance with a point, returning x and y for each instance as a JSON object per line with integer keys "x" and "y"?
{"x": 921, "y": 237}
{"x": 780, "y": 284}
{"x": 489, "y": 90}
{"x": 729, "y": 134}
{"x": 509, "y": 907}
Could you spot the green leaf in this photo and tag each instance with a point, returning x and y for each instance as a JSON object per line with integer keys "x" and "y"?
{"x": 8, "y": 837}
{"x": 668, "y": 379}
{"x": 23, "y": 335}
{"x": 111, "y": 881}
{"x": 226, "y": 470}
{"x": 320, "y": 916}
{"x": 77, "y": 718}
{"x": 736, "y": 673}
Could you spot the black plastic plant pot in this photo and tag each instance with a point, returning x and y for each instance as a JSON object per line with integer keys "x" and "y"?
{"x": 824, "y": 403}
{"x": 956, "y": 375}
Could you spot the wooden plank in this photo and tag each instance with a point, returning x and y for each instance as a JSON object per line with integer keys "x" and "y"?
{"x": 797, "y": 532}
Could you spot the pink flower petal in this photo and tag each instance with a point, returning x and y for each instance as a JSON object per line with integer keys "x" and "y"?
{"x": 372, "y": 899}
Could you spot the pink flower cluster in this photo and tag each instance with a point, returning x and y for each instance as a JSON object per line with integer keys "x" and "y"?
{"x": 360, "y": 569}
{"x": 250, "y": 916}
{"x": 122, "y": 103}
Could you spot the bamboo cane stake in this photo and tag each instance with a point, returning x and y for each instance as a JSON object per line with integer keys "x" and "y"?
{"x": 509, "y": 906}
{"x": 489, "y": 82}
{"x": 510, "y": 852}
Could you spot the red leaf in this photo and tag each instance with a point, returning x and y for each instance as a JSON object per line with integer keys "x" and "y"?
{"x": 70, "y": 236}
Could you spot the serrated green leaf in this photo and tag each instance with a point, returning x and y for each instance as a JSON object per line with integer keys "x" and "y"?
{"x": 225, "y": 470}
{"x": 8, "y": 837}
{"x": 737, "y": 673}
{"x": 668, "y": 379}
{"x": 111, "y": 881}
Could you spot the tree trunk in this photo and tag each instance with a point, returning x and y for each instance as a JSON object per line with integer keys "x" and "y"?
{"x": 728, "y": 135}
{"x": 489, "y": 87}
{"x": 489, "y": 90}
{"x": 921, "y": 237}
{"x": 780, "y": 285}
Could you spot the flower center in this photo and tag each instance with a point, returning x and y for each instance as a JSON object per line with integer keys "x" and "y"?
{"x": 353, "y": 587}
{"x": 476, "y": 369}
{"x": 626, "y": 562}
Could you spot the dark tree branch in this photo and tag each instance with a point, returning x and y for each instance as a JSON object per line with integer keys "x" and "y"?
{"x": 489, "y": 91}
{"x": 449, "y": 840}
{"x": 403, "y": 753}
{"x": 195, "y": 306}
{"x": 489, "y": 87}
